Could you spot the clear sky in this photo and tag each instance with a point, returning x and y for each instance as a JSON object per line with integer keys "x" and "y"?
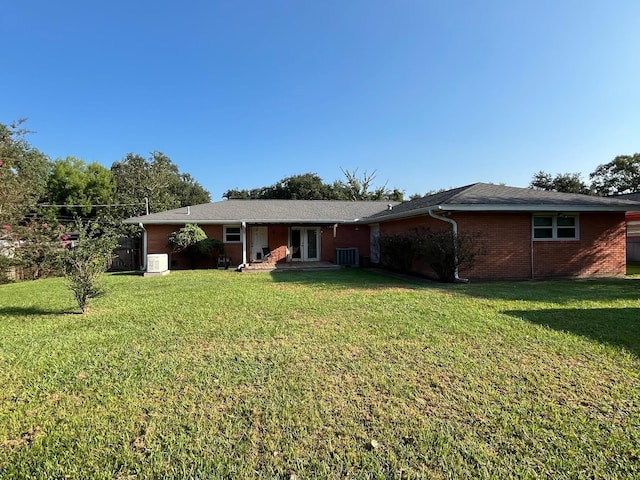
{"x": 430, "y": 94}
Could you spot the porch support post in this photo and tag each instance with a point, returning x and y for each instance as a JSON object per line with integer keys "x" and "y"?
{"x": 243, "y": 234}
{"x": 143, "y": 262}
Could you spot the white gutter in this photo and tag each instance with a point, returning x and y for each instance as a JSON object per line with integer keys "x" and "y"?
{"x": 144, "y": 247}
{"x": 536, "y": 207}
{"x": 454, "y": 226}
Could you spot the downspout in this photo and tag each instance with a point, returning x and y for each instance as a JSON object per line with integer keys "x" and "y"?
{"x": 144, "y": 247}
{"x": 454, "y": 225}
{"x": 532, "y": 257}
{"x": 243, "y": 229}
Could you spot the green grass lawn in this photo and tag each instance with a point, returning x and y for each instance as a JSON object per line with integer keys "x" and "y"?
{"x": 216, "y": 374}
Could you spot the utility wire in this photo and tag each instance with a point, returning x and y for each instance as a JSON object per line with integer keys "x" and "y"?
{"x": 145, "y": 203}
{"x": 91, "y": 205}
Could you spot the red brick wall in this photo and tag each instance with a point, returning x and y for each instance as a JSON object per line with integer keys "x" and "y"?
{"x": 600, "y": 251}
{"x": 278, "y": 241}
{"x": 505, "y": 243}
{"x": 507, "y": 246}
{"x": 347, "y": 236}
{"x": 158, "y": 237}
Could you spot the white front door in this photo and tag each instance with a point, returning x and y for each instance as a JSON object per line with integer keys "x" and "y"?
{"x": 305, "y": 244}
{"x": 259, "y": 240}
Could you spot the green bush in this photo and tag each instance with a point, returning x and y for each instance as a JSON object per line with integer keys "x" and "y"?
{"x": 210, "y": 247}
{"x": 397, "y": 252}
{"x": 443, "y": 251}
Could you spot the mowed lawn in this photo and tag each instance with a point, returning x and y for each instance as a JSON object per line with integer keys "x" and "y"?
{"x": 217, "y": 374}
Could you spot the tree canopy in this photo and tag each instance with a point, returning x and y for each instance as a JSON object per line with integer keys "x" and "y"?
{"x": 620, "y": 175}
{"x": 68, "y": 188}
{"x": 309, "y": 186}
{"x": 156, "y": 179}
{"x": 562, "y": 182}
{"x": 23, "y": 174}
{"x": 73, "y": 182}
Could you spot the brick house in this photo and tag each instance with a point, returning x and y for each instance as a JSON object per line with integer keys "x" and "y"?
{"x": 291, "y": 230}
{"x": 526, "y": 234}
{"x": 633, "y": 228}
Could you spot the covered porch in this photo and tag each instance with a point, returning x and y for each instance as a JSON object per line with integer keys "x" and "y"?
{"x": 301, "y": 246}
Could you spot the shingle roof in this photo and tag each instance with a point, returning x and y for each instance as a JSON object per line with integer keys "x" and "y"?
{"x": 490, "y": 197}
{"x": 628, "y": 196}
{"x": 266, "y": 211}
{"x": 475, "y": 197}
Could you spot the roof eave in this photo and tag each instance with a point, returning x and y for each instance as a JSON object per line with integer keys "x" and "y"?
{"x": 502, "y": 208}
{"x": 535, "y": 207}
{"x": 236, "y": 221}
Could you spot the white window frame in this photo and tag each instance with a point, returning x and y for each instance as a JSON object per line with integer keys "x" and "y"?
{"x": 227, "y": 233}
{"x": 554, "y": 227}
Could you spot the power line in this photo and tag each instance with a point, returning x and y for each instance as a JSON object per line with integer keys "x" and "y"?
{"x": 91, "y": 205}
{"x": 145, "y": 203}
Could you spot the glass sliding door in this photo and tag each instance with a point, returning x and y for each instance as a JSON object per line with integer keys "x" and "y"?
{"x": 305, "y": 244}
{"x": 296, "y": 244}
{"x": 312, "y": 244}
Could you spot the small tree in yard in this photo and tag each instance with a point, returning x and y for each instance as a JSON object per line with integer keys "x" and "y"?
{"x": 39, "y": 249}
{"x": 85, "y": 263}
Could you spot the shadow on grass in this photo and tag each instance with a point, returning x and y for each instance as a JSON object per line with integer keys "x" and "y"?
{"x": 614, "y": 326}
{"x": 557, "y": 291}
{"x": 31, "y": 312}
{"x": 131, "y": 273}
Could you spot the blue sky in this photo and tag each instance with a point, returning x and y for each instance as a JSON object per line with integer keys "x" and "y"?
{"x": 243, "y": 93}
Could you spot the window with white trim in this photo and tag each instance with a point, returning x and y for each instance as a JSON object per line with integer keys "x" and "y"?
{"x": 232, "y": 234}
{"x": 555, "y": 227}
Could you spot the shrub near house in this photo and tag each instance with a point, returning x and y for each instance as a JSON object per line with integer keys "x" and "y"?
{"x": 193, "y": 241}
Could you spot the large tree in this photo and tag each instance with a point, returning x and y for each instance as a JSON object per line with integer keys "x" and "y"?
{"x": 562, "y": 182}
{"x": 73, "y": 182}
{"x": 138, "y": 179}
{"x": 309, "y": 186}
{"x": 620, "y": 175}
{"x": 190, "y": 192}
{"x": 23, "y": 174}
{"x": 156, "y": 179}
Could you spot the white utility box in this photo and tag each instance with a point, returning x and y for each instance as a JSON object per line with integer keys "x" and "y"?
{"x": 157, "y": 264}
